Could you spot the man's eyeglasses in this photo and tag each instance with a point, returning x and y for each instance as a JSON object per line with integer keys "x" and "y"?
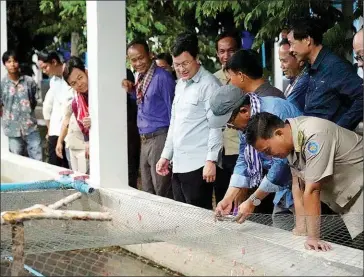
{"x": 183, "y": 65}
{"x": 359, "y": 58}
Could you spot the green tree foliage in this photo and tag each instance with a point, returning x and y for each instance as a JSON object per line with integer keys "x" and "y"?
{"x": 22, "y": 23}
{"x": 63, "y": 19}
{"x": 160, "y": 21}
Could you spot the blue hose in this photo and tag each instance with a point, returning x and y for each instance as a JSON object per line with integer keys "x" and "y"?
{"x": 65, "y": 182}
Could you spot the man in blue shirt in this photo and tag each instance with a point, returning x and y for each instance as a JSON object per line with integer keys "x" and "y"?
{"x": 154, "y": 93}
{"x": 335, "y": 91}
{"x": 297, "y": 74}
{"x": 234, "y": 108}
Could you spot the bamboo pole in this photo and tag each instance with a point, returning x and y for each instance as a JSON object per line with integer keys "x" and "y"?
{"x": 44, "y": 212}
{"x": 65, "y": 201}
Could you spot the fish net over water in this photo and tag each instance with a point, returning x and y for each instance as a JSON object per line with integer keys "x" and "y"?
{"x": 91, "y": 247}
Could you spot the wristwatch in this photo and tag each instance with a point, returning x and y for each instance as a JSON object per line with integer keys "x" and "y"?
{"x": 256, "y": 201}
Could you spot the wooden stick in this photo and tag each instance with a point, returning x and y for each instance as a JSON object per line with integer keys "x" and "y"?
{"x": 17, "y": 236}
{"x": 65, "y": 201}
{"x": 44, "y": 212}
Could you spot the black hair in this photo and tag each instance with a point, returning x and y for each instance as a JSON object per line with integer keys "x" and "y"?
{"x": 186, "y": 42}
{"x": 229, "y": 34}
{"x": 262, "y": 126}
{"x": 308, "y": 27}
{"x": 47, "y": 57}
{"x": 165, "y": 56}
{"x": 141, "y": 42}
{"x": 8, "y": 54}
{"x": 71, "y": 64}
{"x": 247, "y": 62}
{"x": 284, "y": 41}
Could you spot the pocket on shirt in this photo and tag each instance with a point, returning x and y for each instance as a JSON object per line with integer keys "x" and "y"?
{"x": 193, "y": 107}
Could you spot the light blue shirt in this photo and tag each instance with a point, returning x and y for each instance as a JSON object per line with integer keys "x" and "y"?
{"x": 278, "y": 178}
{"x": 190, "y": 141}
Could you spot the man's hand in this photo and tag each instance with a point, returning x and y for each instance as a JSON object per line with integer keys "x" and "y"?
{"x": 87, "y": 122}
{"x": 87, "y": 150}
{"x": 317, "y": 245}
{"x": 223, "y": 208}
{"x": 127, "y": 85}
{"x": 245, "y": 210}
{"x": 209, "y": 172}
{"x": 59, "y": 149}
{"x": 162, "y": 167}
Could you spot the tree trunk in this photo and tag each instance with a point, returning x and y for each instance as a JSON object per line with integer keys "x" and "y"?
{"x": 75, "y": 38}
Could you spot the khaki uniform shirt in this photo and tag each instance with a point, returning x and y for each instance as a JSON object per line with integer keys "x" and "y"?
{"x": 231, "y": 137}
{"x": 333, "y": 156}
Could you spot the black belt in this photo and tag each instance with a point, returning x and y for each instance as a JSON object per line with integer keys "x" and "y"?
{"x": 161, "y": 131}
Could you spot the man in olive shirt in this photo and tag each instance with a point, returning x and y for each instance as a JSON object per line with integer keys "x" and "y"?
{"x": 227, "y": 43}
{"x": 326, "y": 158}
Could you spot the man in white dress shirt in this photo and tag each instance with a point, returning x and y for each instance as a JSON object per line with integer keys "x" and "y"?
{"x": 191, "y": 145}
{"x": 57, "y": 97}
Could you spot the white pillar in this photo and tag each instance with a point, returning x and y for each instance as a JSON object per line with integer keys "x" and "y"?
{"x": 106, "y": 49}
{"x": 4, "y": 47}
{"x": 278, "y": 73}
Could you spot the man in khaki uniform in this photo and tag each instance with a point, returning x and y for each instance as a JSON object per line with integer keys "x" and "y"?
{"x": 227, "y": 43}
{"x": 326, "y": 158}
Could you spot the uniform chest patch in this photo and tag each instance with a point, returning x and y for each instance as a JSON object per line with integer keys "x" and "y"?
{"x": 313, "y": 147}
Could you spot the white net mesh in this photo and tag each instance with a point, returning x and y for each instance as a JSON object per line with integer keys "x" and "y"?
{"x": 91, "y": 247}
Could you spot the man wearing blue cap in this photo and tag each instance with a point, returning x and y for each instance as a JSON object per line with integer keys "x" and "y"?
{"x": 233, "y": 108}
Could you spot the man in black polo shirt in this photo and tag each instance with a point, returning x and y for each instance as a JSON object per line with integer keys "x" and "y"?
{"x": 335, "y": 91}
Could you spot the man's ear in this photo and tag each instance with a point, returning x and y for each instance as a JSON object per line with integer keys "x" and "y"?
{"x": 278, "y": 132}
{"x": 301, "y": 63}
{"x": 86, "y": 71}
{"x": 241, "y": 76}
{"x": 308, "y": 40}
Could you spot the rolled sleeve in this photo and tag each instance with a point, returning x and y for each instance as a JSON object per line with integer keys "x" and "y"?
{"x": 214, "y": 144}
{"x": 268, "y": 186}
{"x": 239, "y": 181}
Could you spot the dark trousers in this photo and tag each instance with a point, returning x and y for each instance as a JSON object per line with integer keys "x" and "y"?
{"x": 223, "y": 176}
{"x": 133, "y": 154}
{"x": 190, "y": 188}
{"x": 53, "y": 158}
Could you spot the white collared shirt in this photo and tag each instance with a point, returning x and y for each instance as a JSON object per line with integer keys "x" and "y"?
{"x": 56, "y": 99}
{"x": 190, "y": 141}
